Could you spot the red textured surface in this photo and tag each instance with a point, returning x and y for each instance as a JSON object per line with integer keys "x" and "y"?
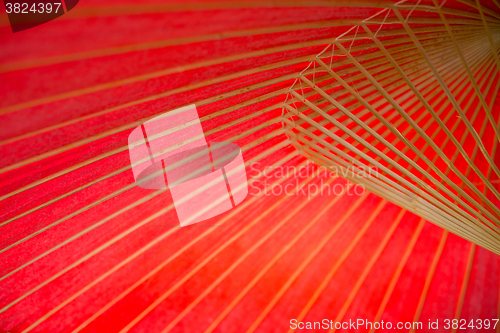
{"x": 73, "y": 117}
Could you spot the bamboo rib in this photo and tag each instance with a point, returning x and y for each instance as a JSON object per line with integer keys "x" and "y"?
{"x": 326, "y": 109}
{"x": 448, "y": 222}
{"x": 283, "y": 251}
{"x": 390, "y": 192}
{"x": 488, "y": 34}
{"x": 415, "y": 126}
{"x": 172, "y": 70}
{"x": 368, "y": 267}
{"x": 68, "y": 147}
{"x": 450, "y": 135}
{"x": 153, "y": 272}
{"x": 397, "y": 273}
{"x": 336, "y": 138}
{"x": 465, "y": 281}
{"x": 476, "y": 112}
{"x": 428, "y": 124}
{"x": 471, "y": 77}
{"x": 239, "y": 135}
{"x": 481, "y": 131}
{"x": 479, "y": 7}
{"x": 483, "y": 127}
{"x": 338, "y": 78}
{"x": 429, "y": 277}
{"x": 450, "y": 96}
{"x": 398, "y": 200}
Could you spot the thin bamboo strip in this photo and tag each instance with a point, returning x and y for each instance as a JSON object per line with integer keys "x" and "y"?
{"x": 27, "y": 64}
{"x": 215, "y": 130}
{"x": 145, "y": 8}
{"x": 430, "y": 110}
{"x": 338, "y": 263}
{"x": 481, "y": 132}
{"x": 372, "y": 117}
{"x": 375, "y": 128}
{"x": 470, "y": 236}
{"x": 488, "y": 34}
{"x": 429, "y": 142}
{"x": 397, "y": 273}
{"x": 494, "y": 149}
{"x": 418, "y": 204}
{"x": 476, "y": 112}
{"x": 335, "y": 95}
{"x": 476, "y": 5}
{"x": 124, "y": 9}
{"x": 381, "y": 78}
{"x": 85, "y": 118}
{"x": 102, "y": 221}
{"x": 164, "y": 72}
{"x": 463, "y": 288}
{"x": 361, "y": 279}
{"x": 163, "y": 264}
{"x": 436, "y": 132}
{"x": 171, "y": 70}
{"x": 429, "y": 277}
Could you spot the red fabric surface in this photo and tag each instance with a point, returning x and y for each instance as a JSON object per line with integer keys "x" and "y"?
{"x": 73, "y": 90}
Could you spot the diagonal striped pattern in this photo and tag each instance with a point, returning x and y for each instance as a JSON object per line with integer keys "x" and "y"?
{"x": 82, "y": 248}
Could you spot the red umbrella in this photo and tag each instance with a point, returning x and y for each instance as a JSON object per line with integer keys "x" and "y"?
{"x": 360, "y": 123}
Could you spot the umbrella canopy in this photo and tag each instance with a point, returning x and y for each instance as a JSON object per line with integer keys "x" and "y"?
{"x": 359, "y": 123}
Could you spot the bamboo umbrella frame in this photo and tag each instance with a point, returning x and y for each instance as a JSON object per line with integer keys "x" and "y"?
{"x": 353, "y": 95}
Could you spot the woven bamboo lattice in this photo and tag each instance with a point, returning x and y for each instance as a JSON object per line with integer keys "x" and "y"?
{"x": 405, "y": 107}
